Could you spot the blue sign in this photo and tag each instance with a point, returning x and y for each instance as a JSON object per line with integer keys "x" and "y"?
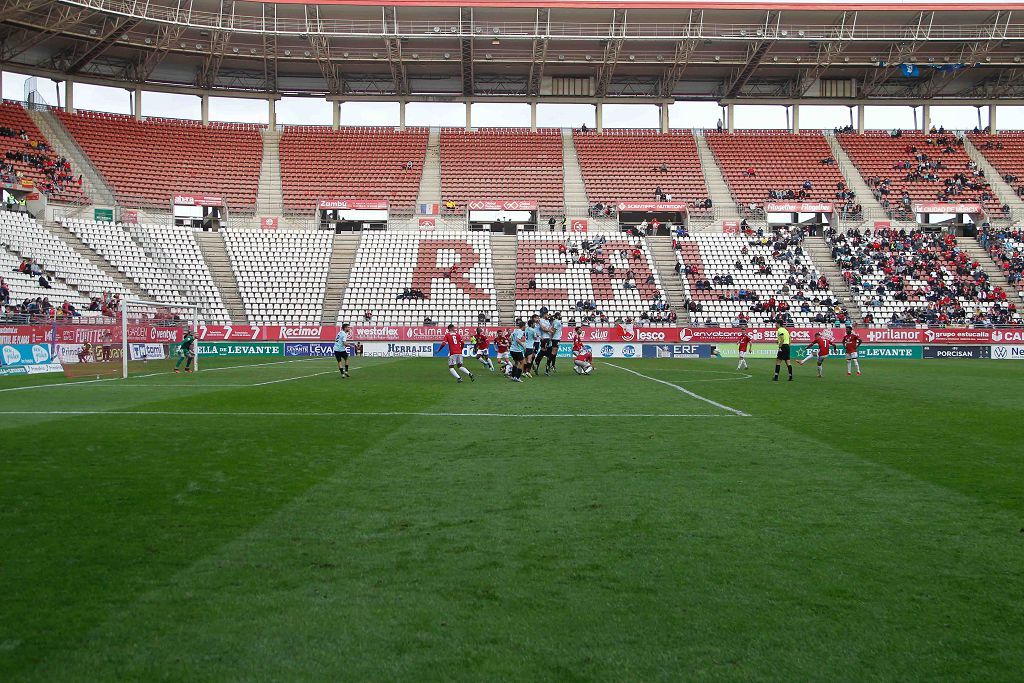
{"x": 628, "y": 351}
{"x": 309, "y": 349}
{"x": 24, "y": 354}
{"x": 677, "y": 351}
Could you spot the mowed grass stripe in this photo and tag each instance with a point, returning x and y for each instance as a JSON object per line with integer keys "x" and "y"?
{"x": 434, "y": 555}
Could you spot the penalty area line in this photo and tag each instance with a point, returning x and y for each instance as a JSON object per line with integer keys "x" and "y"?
{"x": 734, "y": 411}
{"x": 181, "y": 413}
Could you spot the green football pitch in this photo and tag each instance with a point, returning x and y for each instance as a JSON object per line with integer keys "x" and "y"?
{"x": 659, "y": 520}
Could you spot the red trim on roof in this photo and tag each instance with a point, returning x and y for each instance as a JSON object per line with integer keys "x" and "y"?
{"x": 962, "y": 5}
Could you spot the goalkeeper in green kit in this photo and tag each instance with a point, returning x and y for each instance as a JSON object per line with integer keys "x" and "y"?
{"x": 186, "y": 352}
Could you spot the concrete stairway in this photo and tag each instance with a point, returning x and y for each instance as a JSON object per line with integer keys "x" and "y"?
{"x": 574, "y": 192}
{"x": 342, "y": 258}
{"x": 821, "y": 256}
{"x": 503, "y": 251}
{"x": 430, "y": 181}
{"x": 855, "y": 181}
{"x": 211, "y": 244}
{"x": 718, "y": 188}
{"x": 665, "y": 262}
{"x": 995, "y": 273}
{"x": 270, "y": 195}
{"x": 999, "y": 186}
{"x": 93, "y": 184}
{"x": 96, "y": 259}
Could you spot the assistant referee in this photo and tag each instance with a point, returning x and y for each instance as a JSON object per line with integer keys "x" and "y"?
{"x": 784, "y": 338}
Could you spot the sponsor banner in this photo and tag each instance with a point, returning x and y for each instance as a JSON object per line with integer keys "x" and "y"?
{"x": 25, "y": 334}
{"x": 1003, "y": 352}
{"x": 309, "y": 349}
{"x": 240, "y": 349}
{"x": 677, "y": 350}
{"x": 427, "y": 223}
{"x": 269, "y": 222}
{"x": 616, "y": 350}
{"x": 620, "y": 333}
{"x": 43, "y": 369}
{"x": 24, "y": 354}
{"x": 957, "y": 352}
{"x": 67, "y": 354}
{"x": 652, "y": 206}
{"x": 107, "y": 334}
{"x": 731, "y": 227}
{"x": 798, "y": 207}
{"x": 579, "y": 225}
{"x": 197, "y": 200}
{"x": 129, "y": 216}
{"x": 883, "y": 225}
{"x": 147, "y": 352}
{"x": 501, "y": 205}
{"x": 946, "y": 207}
{"x": 353, "y": 204}
{"x": 103, "y": 215}
{"x": 866, "y": 351}
{"x": 399, "y": 350}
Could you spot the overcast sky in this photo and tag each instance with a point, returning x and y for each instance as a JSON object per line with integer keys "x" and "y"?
{"x": 310, "y": 111}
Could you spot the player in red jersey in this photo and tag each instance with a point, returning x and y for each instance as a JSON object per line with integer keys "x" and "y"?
{"x": 482, "y": 345}
{"x": 744, "y": 346}
{"x": 453, "y": 340}
{"x": 501, "y": 343}
{"x": 818, "y": 349}
{"x": 583, "y": 359}
{"x": 852, "y": 342}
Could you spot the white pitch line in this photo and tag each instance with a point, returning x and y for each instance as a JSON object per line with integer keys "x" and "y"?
{"x": 152, "y": 374}
{"x": 740, "y": 413}
{"x": 292, "y": 379}
{"x": 177, "y": 413}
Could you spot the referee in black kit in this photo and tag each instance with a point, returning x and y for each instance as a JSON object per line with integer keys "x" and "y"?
{"x": 783, "y": 355}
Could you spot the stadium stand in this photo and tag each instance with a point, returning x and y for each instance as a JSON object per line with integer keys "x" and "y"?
{"x": 282, "y": 276}
{"x": 1005, "y": 152}
{"x": 915, "y": 278}
{"x": 502, "y": 163}
{"x": 588, "y": 279}
{"x": 733, "y": 279}
{"x": 176, "y": 249}
{"x": 772, "y": 165}
{"x": 626, "y": 165}
{"x": 25, "y": 236}
{"x": 21, "y": 293}
{"x": 27, "y": 152}
{"x": 907, "y": 167}
{"x": 115, "y": 244}
{"x": 1006, "y": 247}
{"x": 351, "y": 163}
{"x": 147, "y": 162}
{"x": 403, "y": 278}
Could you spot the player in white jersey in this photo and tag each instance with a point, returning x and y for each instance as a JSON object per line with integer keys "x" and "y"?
{"x": 341, "y": 350}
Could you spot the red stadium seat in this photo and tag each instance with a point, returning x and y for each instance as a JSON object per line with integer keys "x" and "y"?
{"x": 351, "y": 163}
{"x": 148, "y": 161}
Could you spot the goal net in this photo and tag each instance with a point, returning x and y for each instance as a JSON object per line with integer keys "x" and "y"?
{"x": 128, "y": 338}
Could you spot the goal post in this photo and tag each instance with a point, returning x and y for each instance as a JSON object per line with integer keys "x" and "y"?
{"x": 124, "y": 337}
{"x": 151, "y": 331}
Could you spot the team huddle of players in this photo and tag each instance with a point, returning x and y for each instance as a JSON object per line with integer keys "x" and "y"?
{"x": 818, "y": 349}
{"x": 520, "y": 351}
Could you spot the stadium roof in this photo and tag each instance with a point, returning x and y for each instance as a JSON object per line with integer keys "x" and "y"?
{"x": 580, "y": 51}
